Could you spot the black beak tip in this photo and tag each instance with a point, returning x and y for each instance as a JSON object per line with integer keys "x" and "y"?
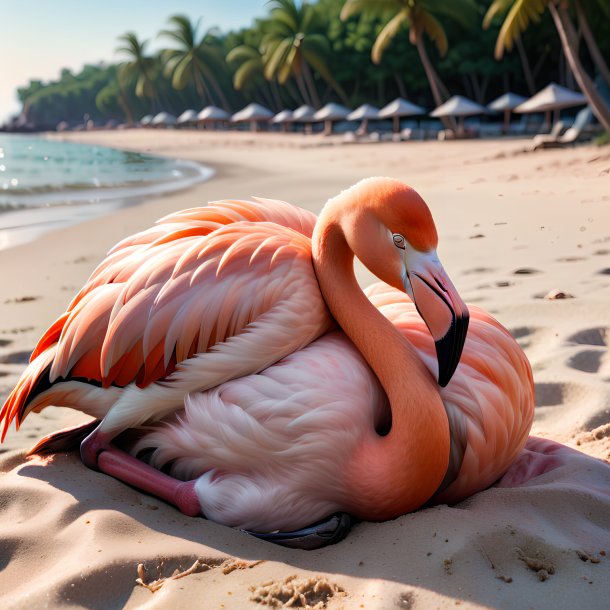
{"x": 449, "y": 349}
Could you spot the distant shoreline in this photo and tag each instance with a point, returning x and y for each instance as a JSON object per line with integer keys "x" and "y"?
{"x": 43, "y": 210}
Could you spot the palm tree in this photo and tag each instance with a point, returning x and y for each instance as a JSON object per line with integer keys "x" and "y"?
{"x": 520, "y": 14}
{"x": 249, "y": 73}
{"x": 139, "y": 67}
{"x": 193, "y": 60}
{"x": 419, "y": 17}
{"x": 292, "y": 47}
{"x": 583, "y": 21}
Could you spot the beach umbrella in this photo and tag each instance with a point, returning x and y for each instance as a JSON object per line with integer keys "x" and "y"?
{"x": 506, "y": 103}
{"x": 552, "y": 97}
{"x": 163, "y": 119}
{"x": 399, "y": 108}
{"x": 304, "y": 114}
{"x": 212, "y": 114}
{"x": 459, "y": 106}
{"x": 188, "y": 116}
{"x": 283, "y": 118}
{"x": 364, "y": 113}
{"x": 145, "y": 120}
{"x": 252, "y": 113}
{"x": 330, "y": 113}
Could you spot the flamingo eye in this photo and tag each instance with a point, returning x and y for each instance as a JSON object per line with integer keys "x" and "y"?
{"x": 399, "y": 240}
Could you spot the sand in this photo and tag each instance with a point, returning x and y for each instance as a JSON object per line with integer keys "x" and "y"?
{"x": 513, "y": 228}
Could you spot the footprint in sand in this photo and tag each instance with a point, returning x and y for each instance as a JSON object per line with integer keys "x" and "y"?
{"x": 570, "y": 259}
{"x": 587, "y": 361}
{"x": 549, "y": 394}
{"x": 15, "y": 358}
{"x": 523, "y": 335}
{"x": 526, "y": 271}
{"x": 478, "y": 270}
{"x": 590, "y": 336}
{"x": 5, "y": 342}
{"x": 605, "y": 271}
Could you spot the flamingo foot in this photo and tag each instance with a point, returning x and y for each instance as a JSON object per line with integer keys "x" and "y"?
{"x": 329, "y": 531}
{"x": 99, "y": 454}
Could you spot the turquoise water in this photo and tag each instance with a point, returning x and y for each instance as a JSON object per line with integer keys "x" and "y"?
{"x": 45, "y": 184}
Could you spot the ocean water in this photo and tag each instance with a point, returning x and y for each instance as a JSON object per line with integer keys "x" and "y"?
{"x": 46, "y": 183}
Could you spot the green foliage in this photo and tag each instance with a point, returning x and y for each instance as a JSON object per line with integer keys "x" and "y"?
{"x": 306, "y": 51}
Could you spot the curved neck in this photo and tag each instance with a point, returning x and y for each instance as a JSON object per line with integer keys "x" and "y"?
{"x": 393, "y": 474}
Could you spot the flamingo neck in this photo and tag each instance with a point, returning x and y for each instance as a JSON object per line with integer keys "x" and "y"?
{"x": 396, "y": 473}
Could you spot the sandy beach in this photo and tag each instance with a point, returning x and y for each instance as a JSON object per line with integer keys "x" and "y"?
{"x": 517, "y": 231}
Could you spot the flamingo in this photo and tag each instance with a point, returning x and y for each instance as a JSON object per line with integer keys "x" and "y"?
{"x": 235, "y": 368}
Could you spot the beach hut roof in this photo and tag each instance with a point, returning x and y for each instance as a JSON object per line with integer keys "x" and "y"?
{"x": 252, "y": 112}
{"x": 213, "y": 113}
{"x": 552, "y": 97}
{"x": 188, "y": 116}
{"x": 303, "y": 113}
{"x": 145, "y": 120}
{"x": 366, "y": 111}
{"x": 508, "y": 101}
{"x": 331, "y": 112}
{"x": 400, "y": 107}
{"x": 282, "y": 117}
{"x": 458, "y": 105}
{"x": 164, "y": 118}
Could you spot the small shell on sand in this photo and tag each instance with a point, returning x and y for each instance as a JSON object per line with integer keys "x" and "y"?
{"x": 554, "y": 295}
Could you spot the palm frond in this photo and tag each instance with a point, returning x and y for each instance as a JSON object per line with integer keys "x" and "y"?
{"x": 386, "y": 35}
{"x": 435, "y": 32}
{"x": 497, "y": 9}
{"x": 373, "y": 7}
{"x": 521, "y": 14}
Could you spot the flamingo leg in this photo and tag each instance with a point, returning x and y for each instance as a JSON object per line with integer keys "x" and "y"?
{"x": 98, "y": 453}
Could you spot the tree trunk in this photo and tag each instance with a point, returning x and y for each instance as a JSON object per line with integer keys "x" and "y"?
{"x": 525, "y": 64}
{"x": 596, "y": 56}
{"x": 400, "y": 83}
{"x": 311, "y": 85}
{"x": 567, "y": 35}
{"x": 433, "y": 80}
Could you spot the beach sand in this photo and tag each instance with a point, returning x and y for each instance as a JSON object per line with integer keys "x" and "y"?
{"x": 513, "y": 228}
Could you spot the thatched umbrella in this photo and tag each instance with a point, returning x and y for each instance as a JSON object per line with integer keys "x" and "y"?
{"x": 399, "y": 108}
{"x": 145, "y": 120}
{"x": 553, "y": 97}
{"x": 253, "y": 114}
{"x": 330, "y": 113}
{"x": 212, "y": 115}
{"x": 283, "y": 118}
{"x": 163, "y": 119}
{"x": 304, "y": 114}
{"x": 364, "y": 113}
{"x": 506, "y": 103}
{"x": 459, "y": 106}
{"x": 187, "y": 117}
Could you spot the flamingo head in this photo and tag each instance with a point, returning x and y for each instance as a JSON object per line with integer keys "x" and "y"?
{"x": 394, "y": 235}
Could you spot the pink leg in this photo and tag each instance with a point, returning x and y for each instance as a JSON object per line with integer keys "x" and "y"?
{"x": 538, "y": 456}
{"x": 98, "y": 453}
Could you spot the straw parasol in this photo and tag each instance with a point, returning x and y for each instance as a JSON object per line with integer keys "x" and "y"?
{"x": 304, "y": 114}
{"x": 458, "y": 106}
{"x": 553, "y": 97}
{"x": 188, "y": 116}
{"x": 212, "y": 114}
{"x": 163, "y": 119}
{"x": 506, "y": 103}
{"x": 145, "y": 120}
{"x": 364, "y": 113}
{"x": 253, "y": 114}
{"x": 330, "y": 113}
{"x": 283, "y": 118}
{"x": 399, "y": 108}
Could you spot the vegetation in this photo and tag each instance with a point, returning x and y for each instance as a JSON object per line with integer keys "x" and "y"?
{"x": 352, "y": 51}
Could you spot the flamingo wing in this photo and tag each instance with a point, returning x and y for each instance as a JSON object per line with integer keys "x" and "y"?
{"x": 185, "y": 287}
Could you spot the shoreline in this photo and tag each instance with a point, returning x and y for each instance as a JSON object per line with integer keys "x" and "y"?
{"x": 512, "y": 228}
{"x": 40, "y": 210}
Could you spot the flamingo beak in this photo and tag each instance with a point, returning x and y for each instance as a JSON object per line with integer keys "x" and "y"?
{"x": 441, "y": 308}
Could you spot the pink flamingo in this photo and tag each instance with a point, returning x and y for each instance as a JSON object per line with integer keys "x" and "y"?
{"x": 208, "y": 346}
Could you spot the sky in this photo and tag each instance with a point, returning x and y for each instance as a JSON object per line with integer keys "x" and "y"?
{"x": 41, "y": 37}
